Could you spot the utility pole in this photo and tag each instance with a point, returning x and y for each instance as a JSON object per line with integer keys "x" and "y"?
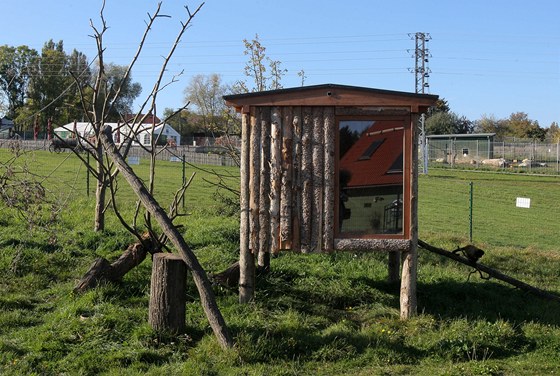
{"x": 421, "y": 75}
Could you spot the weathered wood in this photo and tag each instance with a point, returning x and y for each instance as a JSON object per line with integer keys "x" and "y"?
{"x": 167, "y": 294}
{"x": 103, "y": 271}
{"x": 329, "y": 179}
{"x": 247, "y": 261}
{"x": 381, "y": 245}
{"x": 286, "y": 196}
{"x": 207, "y": 299}
{"x": 409, "y": 272}
{"x": 306, "y": 180}
{"x": 264, "y": 192}
{"x": 99, "y": 271}
{"x": 490, "y": 271}
{"x": 275, "y": 178}
{"x": 229, "y": 277}
{"x": 246, "y": 274}
{"x": 297, "y": 180}
{"x": 318, "y": 173}
{"x": 394, "y": 266}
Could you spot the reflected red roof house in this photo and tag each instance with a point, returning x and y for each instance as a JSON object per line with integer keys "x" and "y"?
{"x": 376, "y": 158}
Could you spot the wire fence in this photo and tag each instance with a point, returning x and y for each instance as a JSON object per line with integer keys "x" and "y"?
{"x": 191, "y": 154}
{"x": 524, "y": 157}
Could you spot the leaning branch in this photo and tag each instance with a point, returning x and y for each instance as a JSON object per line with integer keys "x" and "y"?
{"x": 491, "y": 272}
{"x": 203, "y": 285}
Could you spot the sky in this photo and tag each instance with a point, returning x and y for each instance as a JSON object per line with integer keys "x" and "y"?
{"x": 486, "y": 57}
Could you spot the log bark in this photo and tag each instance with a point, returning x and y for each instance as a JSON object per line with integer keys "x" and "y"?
{"x": 318, "y": 172}
{"x": 286, "y": 203}
{"x": 329, "y": 179}
{"x": 490, "y": 271}
{"x": 275, "y": 178}
{"x": 297, "y": 181}
{"x": 306, "y": 180}
{"x": 203, "y": 285}
{"x": 394, "y": 267}
{"x": 246, "y": 275}
{"x": 409, "y": 273}
{"x": 103, "y": 271}
{"x": 264, "y": 192}
{"x": 168, "y": 294}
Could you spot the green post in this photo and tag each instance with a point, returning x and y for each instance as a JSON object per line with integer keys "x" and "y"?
{"x": 184, "y": 182}
{"x": 87, "y": 176}
{"x": 470, "y": 211}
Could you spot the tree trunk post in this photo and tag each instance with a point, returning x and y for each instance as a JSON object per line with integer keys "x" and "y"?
{"x": 394, "y": 267}
{"x": 168, "y": 293}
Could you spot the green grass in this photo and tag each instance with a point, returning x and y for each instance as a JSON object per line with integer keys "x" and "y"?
{"x": 327, "y": 314}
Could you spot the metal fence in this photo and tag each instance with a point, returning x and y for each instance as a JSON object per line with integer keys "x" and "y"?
{"x": 192, "y": 154}
{"x": 529, "y": 157}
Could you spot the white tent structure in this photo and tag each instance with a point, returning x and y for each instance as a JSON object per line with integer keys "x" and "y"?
{"x": 142, "y": 133}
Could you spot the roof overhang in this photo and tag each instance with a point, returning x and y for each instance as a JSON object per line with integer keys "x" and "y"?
{"x": 333, "y": 95}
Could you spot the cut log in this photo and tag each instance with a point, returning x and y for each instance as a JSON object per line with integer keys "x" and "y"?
{"x": 491, "y": 272}
{"x": 168, "y": 294}
{"x": 103, "y": 271}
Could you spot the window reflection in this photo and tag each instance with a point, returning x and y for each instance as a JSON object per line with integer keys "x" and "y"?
{"x": 370, "y": 177}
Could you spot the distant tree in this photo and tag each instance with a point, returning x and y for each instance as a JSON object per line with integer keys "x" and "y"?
{"x": 441, "y": 106}
{"x": 554, "y": 132}
{"x": 448, "y": 123}
{"x": 205, "y": 93}
{"x": 49, "y": 81}
{"x": 256, "y": 69}
{"x": 115, "y": 78}
{"x": 519, "y": 125}
{"x": 15, "y": 76}
{"x": 489, "y": 124}
{"x": 185, "y": 122}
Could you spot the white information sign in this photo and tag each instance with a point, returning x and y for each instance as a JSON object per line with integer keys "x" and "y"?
{"x": 523, "y": 202}
{"x": 133, "y": 160}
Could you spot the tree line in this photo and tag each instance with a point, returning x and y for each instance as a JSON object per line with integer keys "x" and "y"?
{"x": 441, "y": 120}
{"x": 37, "y": 86}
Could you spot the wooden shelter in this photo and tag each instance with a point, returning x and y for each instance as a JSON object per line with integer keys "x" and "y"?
{"x": 330, "y": 167}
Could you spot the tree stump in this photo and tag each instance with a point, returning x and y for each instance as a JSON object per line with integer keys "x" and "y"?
{"x": 168, "y": 293}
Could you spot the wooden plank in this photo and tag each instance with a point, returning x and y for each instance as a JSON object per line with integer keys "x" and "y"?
{"x": 286, "y": 202}
{"x": 329, "y": 179}
{"x": 275, "y": 177}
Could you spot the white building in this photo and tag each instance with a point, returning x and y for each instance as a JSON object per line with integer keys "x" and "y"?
{"x": 142, "y": 133}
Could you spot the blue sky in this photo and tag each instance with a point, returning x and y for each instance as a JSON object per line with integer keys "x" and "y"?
{"x": 488, "y": 57}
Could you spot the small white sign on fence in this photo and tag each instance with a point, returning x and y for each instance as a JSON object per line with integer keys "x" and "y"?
{"x": 175, "y": 159}
{"x": 133, "y": 160}
{"x": 523, "y": 202}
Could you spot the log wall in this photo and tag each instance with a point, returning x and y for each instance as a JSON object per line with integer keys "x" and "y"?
{"x": 289, "y": 171}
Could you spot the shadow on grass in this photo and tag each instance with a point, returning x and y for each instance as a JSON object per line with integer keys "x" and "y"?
{"x": 487, "y": 300}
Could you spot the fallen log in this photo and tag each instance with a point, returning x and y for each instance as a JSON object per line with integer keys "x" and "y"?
{"x": 491, "y": 272}
{"x": 103, "y": 271}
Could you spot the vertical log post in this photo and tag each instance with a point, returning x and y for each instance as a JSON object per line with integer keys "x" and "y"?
{"x": 329, "y": 179}
{"x": 275, "y": 178}
{"x": 264, "y": 193}
{"x": 394, "y": 267}
{"x": 297, "y": 180}
{"x": 408, "y": 302}
{"x": 306, "y": 180}
{"x": 168, "y": 293}
{"x": 246, "y": 257}
{"x": 318, "y": 173}
{"x": 287, "y": 181}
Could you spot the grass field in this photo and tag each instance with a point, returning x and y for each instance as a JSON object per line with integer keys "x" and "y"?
{"x": 313, "y": 315}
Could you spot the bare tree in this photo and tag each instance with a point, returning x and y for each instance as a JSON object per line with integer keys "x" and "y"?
{"x": 110, "y": 161}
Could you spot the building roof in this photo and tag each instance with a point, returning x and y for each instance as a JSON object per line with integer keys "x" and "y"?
{"x": 469, "y": 135}
{"x": 377, "y": 156}
{"x": 333, "y": 95}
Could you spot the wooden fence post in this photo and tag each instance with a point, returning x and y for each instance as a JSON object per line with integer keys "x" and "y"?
{"x": 168, "y": 293}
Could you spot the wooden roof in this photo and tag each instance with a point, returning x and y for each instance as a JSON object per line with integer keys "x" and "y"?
{"x": 332, "y": 95}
